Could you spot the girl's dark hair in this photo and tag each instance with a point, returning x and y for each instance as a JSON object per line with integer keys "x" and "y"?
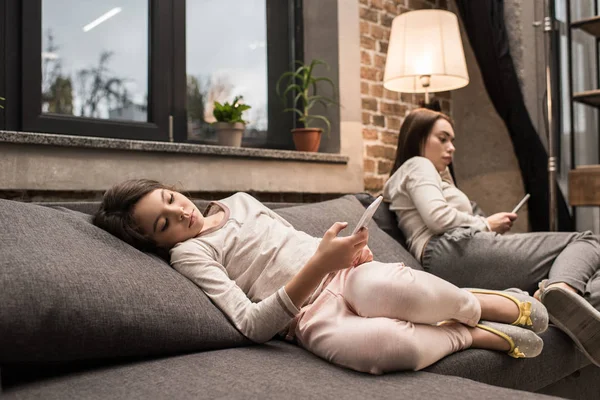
{"x": 115, "y": 214}
{"x": 413, "y": 134}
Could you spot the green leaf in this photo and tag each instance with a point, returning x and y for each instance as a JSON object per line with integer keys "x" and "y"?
{"x": 230, "y": 112}
{"x": 321, "y": 118}
{"x": 325, "y": 79}
{"x": 289, "y": 75}
{"x": 294, "y": 110}
{"x": 301, "y": 82}
{"x": 312, "y": 100}
{"x": 291, "y": 87}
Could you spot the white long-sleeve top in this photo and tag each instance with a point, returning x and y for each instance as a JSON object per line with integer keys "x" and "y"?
{"x": 427, "y": 203}
{"x": 244, "y": 263}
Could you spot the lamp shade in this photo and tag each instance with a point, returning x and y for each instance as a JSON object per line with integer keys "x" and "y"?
{"x": 425, "y": 43}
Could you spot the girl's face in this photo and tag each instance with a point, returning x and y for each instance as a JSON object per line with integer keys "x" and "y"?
{"x": 168, "y": 217}
{"x": 438, "y": 147}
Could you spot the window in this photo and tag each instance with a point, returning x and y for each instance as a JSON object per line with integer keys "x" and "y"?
{"x": 236, "y": 41}
{"x": 151, "y": 69}
{"x": 95, "y": 63}
{"x": 236, "y": 47}
{"x": 91, "y": 68}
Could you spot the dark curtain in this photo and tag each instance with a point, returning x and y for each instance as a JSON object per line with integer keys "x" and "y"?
{"x": 484, "y": 24}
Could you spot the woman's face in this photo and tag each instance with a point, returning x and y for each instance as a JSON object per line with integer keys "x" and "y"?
{"x": 168, "y": 217}
{"x": 439, "y": 148}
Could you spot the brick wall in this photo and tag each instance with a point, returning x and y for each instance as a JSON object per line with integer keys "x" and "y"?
{"x": 383, "y": 111}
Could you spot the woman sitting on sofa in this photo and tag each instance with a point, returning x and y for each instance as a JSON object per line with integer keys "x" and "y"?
{"x": 471, "y": 250}
{"x": 328, "y": 293}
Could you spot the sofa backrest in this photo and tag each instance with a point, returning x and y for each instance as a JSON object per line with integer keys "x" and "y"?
{"x": 90, "y": 207}
{"x": 71, "y": 291}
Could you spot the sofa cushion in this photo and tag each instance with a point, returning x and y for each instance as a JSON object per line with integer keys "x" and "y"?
{"x": 559, "y": 358}
{"x": 316, "y": 218}
{"x": 71, "y": 291}
{"x": 276, "y": 370}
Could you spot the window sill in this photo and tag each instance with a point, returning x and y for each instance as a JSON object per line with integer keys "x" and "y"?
{"x": 165, "y": 147}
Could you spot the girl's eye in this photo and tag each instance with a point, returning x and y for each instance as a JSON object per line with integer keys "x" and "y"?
{"x": 165, "y": 226}
{"x": 171, "y": 199}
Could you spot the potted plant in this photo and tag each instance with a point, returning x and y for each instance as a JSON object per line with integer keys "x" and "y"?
{"x": 230, "y": 125}
{"x": 303, "y": 85}
{"x": 2, "y": 99}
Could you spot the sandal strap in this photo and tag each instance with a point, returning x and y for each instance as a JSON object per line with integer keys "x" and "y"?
{"x": 514, "y": 350}
{"x": 524, "y": 318}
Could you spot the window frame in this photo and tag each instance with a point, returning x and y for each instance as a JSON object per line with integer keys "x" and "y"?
{"x": 20, "y": 74}
{"x": 284, "y": 36}
{"x": 159, "y": 82}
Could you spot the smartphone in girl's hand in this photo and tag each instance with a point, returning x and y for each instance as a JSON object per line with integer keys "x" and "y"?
{"x": 368, "y": 214}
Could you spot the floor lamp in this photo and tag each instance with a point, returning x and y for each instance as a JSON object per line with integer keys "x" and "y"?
{"x": 425, "y": 54}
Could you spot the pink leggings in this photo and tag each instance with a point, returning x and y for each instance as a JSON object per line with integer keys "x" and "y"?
{"x": 378, "y": 318}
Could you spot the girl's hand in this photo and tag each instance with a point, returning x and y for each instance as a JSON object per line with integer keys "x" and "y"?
{"x": 501, "y": 222}
{"x": 365, "y": 256}
{"x": 336, "y": 253}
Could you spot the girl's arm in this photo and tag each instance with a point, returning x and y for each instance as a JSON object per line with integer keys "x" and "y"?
{"x": 333, "y": 254}
{"x": 261, "y": 321}
{"x": 425, "y": 190}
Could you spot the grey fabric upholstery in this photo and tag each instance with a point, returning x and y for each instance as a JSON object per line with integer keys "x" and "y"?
{"x": 582, "y": 384}
{"x": 40, "y": 249}
{"x": 72, "y": 291}
{"x": 276, "y": 370}
{"x": 316, "y": 218}
{"x": 90, "y": 207}
{"x": 89, "y": 295}
{"x": 559, "y": 359}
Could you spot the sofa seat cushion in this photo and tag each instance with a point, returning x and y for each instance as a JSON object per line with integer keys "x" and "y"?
{"x": 276, "y": 370}
{"x": 71, "y": 291}
{"x": 559, "y": 359}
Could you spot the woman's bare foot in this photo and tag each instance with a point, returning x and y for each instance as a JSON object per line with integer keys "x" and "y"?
{"x": 497, "y": 308}
{"x": 538, "y": 293}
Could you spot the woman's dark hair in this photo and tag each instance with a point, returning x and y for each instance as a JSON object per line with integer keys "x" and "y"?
{"x": 115, "y": 214}
{"x": 414, "y": 133}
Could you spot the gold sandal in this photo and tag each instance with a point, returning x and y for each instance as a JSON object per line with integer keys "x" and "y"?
{"x": 532, "y": 314}
{"x": 523, "y": 342}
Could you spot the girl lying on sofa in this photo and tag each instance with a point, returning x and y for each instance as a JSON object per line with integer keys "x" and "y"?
{"x": 326, "y": 293}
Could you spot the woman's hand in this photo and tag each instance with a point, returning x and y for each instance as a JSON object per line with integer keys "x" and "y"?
{"x": 501, "y": 222}
{"x": 336, "y": 253}
{"x": 365, "y": 256}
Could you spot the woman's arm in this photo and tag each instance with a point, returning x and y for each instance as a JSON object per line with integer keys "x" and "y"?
{"x": 424, "y": 188}
{"x": 477, "y": 210}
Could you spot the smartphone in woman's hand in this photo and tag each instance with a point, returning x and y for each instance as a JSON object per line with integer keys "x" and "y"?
{"x": 521, "y": 203}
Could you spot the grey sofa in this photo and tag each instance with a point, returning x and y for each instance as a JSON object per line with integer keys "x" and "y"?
{"x": 84, "y": 315}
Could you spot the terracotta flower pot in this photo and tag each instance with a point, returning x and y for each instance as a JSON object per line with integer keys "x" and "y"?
{"x": 307, "y": 139}
{"x": 229, "y": 134}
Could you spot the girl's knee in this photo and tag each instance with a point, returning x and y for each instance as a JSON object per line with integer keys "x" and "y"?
{"x": 385, "y": 351}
